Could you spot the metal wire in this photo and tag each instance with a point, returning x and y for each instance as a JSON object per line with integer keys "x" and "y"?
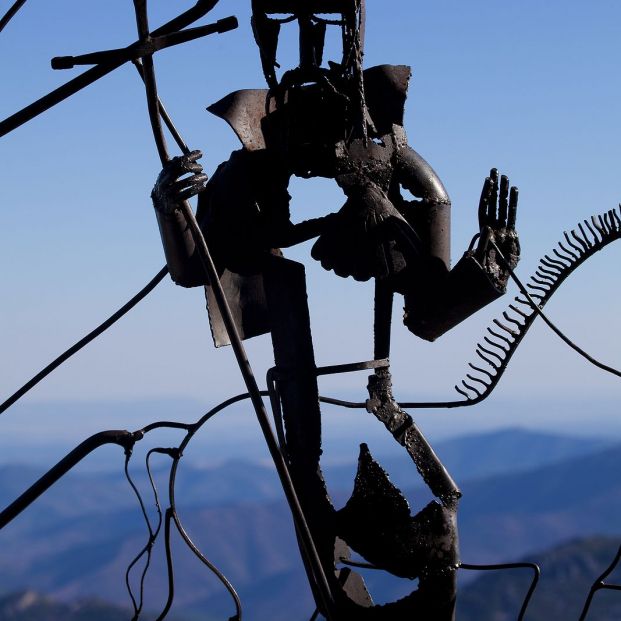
{"x": 531, "y": 590}
{"x": 533, "y": 585}
{"x": 91, "y": 336}
{"x": 153, "y": 534}
{"x": 10, "y": 14}
{"x": 169, "y": 566}
{"x": 599, "y": 584}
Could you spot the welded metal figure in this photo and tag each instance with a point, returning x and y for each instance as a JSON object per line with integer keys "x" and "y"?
{"x": 340, "y": 122}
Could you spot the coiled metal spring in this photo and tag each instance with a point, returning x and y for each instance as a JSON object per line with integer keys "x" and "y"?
{"x": 501, "y": 340}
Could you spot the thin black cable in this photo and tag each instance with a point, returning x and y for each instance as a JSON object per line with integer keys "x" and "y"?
{"x": 148, "y": 548}
{"x": 171, "y": 494}
{"x": 533, "y": 585}
{"x": 209, "y": 564}
{"x": 100, "y": 329}
{"x": 169, "y": 567}
{"x": 10, "y": 14}
{"x": 600, "y": 584}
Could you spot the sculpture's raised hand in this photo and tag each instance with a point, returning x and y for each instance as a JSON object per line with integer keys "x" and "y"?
{"x": 180, "y": 179}
{"x": 497, "y": 214}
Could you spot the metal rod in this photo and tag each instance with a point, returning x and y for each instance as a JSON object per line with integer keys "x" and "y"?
{"x": 164, "y": 114}
{"x": 123, "y": 438}
{"x": 201, "y": 8}
{"x": 10, "y": 14}
{"x": 143, "y": 48}
{"x": 210, "y": 271}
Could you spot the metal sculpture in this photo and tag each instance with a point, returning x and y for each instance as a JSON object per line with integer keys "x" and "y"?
{"x": 338, "y": 121}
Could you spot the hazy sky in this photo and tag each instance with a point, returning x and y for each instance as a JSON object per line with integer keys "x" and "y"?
{"x": 530, "y": 87}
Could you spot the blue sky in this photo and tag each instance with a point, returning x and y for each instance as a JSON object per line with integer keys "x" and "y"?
{"x": 530, "y": 87}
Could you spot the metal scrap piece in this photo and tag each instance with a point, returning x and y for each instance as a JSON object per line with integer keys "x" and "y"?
{"x": 376, "y": 522}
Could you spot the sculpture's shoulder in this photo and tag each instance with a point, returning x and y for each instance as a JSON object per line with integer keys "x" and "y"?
{"x": 385, "y": 90}
{"x": 244, "y": 111}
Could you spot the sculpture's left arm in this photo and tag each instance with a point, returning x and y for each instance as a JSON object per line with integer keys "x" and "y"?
{"x": 438, "y": 299}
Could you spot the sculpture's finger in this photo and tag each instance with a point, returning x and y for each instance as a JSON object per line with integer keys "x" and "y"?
{"x": 503, "y": 201}
{"x": 191, "y": 167}
{"x": 181, "y": 164}
{"x": 194, "y": 155}
{"x": 513, "y": 203}
{"x": 492, "y": 203}
{"x": 485, "y": 192}
{"x": 192, "y": 185}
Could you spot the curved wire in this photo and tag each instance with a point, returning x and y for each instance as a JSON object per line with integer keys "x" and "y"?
{"x": 153, "y": 534}
{"x": 599, "y": 584}
{"x": 74, "y": 349}
{"x": 171, "y": 494}
{"x": 169, "y": 567}
{"x": 10, "y": 14}
{"x": 533, "y": 584}
{"x": 230, "y": 588}
{"x": 171, "y": 513}
{"x": 527, "y": 598}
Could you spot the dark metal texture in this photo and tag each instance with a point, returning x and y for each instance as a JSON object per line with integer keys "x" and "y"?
{"x": 376, "y": 523}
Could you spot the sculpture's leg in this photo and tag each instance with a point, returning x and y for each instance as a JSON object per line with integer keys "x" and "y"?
{"x": 285, "y": 292}
{"x": 439, "y": 588}
{"x": 382, "y": 319}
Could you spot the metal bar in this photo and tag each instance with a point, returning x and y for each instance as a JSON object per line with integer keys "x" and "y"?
{"x": 201, "y": 8}
{"x": 123, "y": 438}
{"x": 353, "y": 366}
{"x": 143, "y": 48}
{"x": 210, "y": 271}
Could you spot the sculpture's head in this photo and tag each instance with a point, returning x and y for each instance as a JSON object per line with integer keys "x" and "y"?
{"x": 328, "y": 90}
{"x": 313, "y": 18}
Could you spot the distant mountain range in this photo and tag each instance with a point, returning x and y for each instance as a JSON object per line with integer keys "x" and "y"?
{"x": 32, "y": 606}
{"x": 523, "y": 493}
{"x": 467, "y": 457}
{"x": 568, "y": 571}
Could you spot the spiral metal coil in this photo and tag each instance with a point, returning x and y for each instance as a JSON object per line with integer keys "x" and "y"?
{"x": 503, "y": 338}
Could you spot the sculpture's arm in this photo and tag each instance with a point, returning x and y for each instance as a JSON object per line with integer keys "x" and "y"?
{"x": 179, "y": 180}
{"x": 437, "y": 300}
{"x": 243, "y": 212}
{"x": 431, "y": 215}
